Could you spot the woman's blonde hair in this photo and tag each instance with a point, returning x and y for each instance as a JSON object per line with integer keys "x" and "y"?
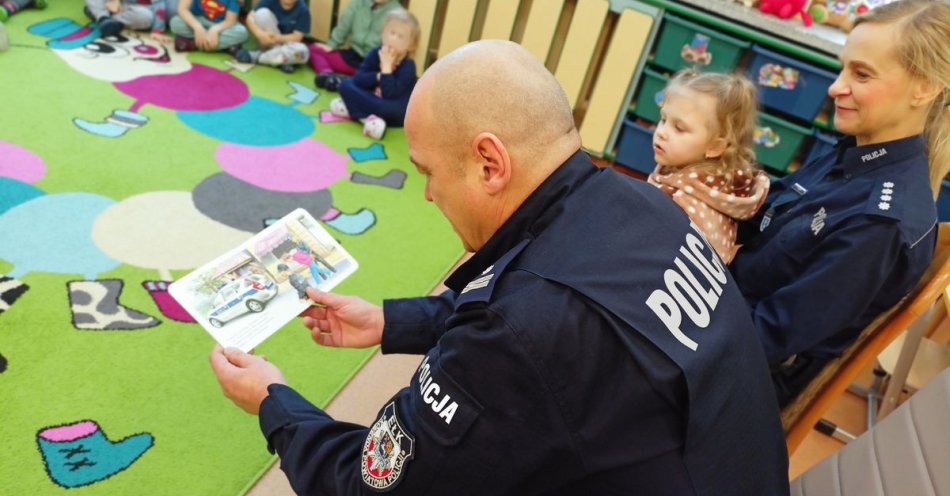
{"x": 405, "y": 17}
{"x": 736, "y": 111}
{"x": 923, "y": 49}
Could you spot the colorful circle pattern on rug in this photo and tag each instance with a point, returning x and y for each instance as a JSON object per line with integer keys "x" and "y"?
{"x": 53, "y": 233}
{"x": 21, "y": 164}
{"x": 156, "y": 230}
{"x": 300, "y": 167}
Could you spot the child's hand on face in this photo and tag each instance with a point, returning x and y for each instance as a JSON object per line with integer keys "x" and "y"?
{"x": 387, "y": 59}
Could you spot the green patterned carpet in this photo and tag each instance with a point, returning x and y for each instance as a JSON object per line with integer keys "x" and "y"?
{"x": 124, "y": 165}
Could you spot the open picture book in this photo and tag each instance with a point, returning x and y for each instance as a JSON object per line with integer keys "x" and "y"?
{"x": 248, "y": 293}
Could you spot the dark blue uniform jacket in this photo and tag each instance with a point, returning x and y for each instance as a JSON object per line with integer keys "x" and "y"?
{"x": 594, "y": 345}
{"x": 835, "y": 244}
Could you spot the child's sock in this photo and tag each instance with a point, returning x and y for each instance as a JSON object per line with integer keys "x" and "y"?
{"x": 110, "y": 27}
{"x": 321, "y": 80}
{"x": 183, "y": 44}
{"x": 328, "y": 81}
{"x": 374, "y": 127}
{"x": 248, "y": 56}
{"x": 338, "y": 108}
{"x": 287, "y": 68}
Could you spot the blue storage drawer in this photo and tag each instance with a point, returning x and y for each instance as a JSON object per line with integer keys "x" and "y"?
{"x": 788, "y": 85}
{"x": 943, "y": 202}
{"x": 635, "y": 147}
{"x": 824, "y": 143}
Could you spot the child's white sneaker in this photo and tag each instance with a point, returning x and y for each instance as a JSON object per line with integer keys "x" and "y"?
{"x": 338, "y": 108}
{"x": 374, "y": 127}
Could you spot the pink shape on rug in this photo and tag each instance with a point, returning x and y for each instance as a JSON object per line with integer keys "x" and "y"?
{"x": 21, "y": 164}
{"x": 329, "y": 117}
{"x": 166, "y": 304}
{"x": 200, "y": 89}
{"x": 300, "y": 167}
{"x": 70, "y": 432}
{"x": 331, "y": 214}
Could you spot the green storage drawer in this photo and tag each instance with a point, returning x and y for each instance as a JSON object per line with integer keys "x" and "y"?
{"x": 685, "y": 44}
{"x": 651, "y": 92}
{"x": 777, "y": 141}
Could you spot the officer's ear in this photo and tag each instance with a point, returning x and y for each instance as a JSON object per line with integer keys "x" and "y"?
{"x": 925, "y": 91}
{"x": 493, "y": 162}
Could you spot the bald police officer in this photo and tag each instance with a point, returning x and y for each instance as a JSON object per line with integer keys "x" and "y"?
{"x": 593, "y": 344}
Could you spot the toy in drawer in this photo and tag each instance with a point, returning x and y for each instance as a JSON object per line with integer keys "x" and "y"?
{"x": 777, "y": 141}
{"x": 686, "y": 44}
{"x": 635, "y": 147}
{"x": 651, "y": 93}
{"x": 789, "y": 85}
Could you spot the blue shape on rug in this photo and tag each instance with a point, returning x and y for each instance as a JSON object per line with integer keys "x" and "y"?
{"x": 302, "y": 93}
{"x": 13, "y": 193}
{"x": 79, "y": 454}
{"x": 53, "y": 233}
{"x": 372, "y": 152}
{"x": 256, "y": 122}
{"x": 353, "y": 224}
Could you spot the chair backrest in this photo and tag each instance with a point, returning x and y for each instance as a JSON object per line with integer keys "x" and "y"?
{"x": 800, "y": 416}
{"x": 904, "y": 454}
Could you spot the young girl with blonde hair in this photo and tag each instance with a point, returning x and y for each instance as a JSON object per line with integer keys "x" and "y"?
{"x": 378, "y": 93}
{"x": 704, "y": 153}
{"x": 849, "y": 234}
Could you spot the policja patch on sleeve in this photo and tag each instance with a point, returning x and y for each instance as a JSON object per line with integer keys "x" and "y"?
{"x": 386, "y": 451}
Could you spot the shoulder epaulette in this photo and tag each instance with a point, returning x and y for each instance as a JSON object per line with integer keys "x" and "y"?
{"x": 480, "y": 289}
{"x": 886, "y": 199}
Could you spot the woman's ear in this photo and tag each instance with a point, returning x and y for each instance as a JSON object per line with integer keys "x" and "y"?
{"x": 926, "y": 91}
{"x": 716, "y": 148}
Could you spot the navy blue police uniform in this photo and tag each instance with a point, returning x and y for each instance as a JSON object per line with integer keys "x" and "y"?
{"x": 835, "y": 244}
{"x": 594, "y": 345}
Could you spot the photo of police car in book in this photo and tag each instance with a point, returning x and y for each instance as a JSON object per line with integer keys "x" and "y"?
{"x": 247, "y": 294}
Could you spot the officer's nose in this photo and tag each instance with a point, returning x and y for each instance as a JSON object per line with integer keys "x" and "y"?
{"x": 839, "y": 87}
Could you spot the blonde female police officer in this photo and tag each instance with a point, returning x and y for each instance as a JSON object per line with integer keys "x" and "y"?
{"x": 845, "y": 237}
{"x": 593, "y": 344}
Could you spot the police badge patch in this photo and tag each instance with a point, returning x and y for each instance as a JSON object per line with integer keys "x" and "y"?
{"x": 387, "y": 448}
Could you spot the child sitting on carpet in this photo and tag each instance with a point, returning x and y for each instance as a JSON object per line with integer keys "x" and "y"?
{"x": 279, "y": 26}
{"x": 359, "y": 28}
{"x": 208, "y": 25}
{"x": 113, "y": 16}
{"x": 378, "y": 93}
{"x": 705, "y": 155}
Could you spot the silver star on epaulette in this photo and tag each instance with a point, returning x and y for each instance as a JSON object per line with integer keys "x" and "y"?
{"x": 884, "y": 206}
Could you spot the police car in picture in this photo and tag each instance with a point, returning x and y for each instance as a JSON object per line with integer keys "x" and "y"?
{"x": 248, "y": 293}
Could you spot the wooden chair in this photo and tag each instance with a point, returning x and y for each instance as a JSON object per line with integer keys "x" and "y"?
{"x": 800, "y": 416}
